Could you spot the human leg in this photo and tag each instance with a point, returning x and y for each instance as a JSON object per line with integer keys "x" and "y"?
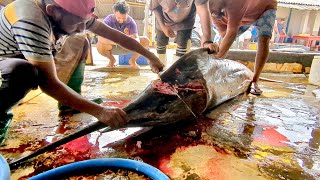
{"x": 261, "y": 59}
{"x": 182, "y": 39}
{"x": 265, "y": 29}
{"x": 162, "y": 42}
{"x": 104, "y": 47}
{"x": 18, "y": 77}
{"x": 144, "y": 41}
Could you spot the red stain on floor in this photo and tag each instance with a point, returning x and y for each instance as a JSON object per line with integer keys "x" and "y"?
{"x": 163, "y": 166}
{"x": 215, "y": 169}
{"x": 272, "y": 137}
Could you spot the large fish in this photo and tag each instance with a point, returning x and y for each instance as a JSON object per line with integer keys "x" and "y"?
{"x": 193, "y": 84}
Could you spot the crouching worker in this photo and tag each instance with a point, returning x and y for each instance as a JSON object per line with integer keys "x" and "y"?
{"x": 27, "y": 54}
{"x": 121, "y": 21}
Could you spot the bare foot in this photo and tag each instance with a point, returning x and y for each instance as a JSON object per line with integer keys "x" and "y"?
{"x": 255, "y": 90}
{"x": 112, "y": 64}
{"x": 134, "y": 65}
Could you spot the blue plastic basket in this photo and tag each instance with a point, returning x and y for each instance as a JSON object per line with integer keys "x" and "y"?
{"x": 124, "y": 59}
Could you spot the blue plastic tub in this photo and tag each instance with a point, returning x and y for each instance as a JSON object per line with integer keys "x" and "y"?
{"x": 78, "y": 168}
{"x": 124, "y": 59}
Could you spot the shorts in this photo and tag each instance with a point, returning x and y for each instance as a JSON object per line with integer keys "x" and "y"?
{"x": 119, "y": 50}
{"x": 181, "y": 39}
{"x": 264, "y": 24}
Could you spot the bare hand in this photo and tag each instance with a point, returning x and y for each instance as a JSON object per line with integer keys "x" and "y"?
{"x": 113, "y": 117}
{"x": 168, "y": 31}
{"x": 156, "y": 65}
{"x": 213, "y": 47}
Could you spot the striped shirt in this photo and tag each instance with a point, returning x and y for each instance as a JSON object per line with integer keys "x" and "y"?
{"x": 25, "y": 29}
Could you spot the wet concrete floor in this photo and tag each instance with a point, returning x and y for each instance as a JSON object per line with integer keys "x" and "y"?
{"x": 274, "y": 136}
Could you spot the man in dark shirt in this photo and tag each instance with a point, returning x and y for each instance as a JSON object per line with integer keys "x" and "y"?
{"x": 179, "y": 16}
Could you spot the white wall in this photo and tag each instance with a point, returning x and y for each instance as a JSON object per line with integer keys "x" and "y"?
{"x": 316, "y": 26}
{"x": 283, "y": 13}
{"x": 295, "y": 25}
{"x": 302, "y": 21}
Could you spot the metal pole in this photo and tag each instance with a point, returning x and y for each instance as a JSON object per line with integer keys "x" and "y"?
{"x": 146, "y": 19}
{"x": 289, "y": 19}
{"x": 153, "y": 28}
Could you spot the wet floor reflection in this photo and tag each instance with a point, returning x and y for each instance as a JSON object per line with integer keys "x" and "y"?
{"x": 275, "y": 136}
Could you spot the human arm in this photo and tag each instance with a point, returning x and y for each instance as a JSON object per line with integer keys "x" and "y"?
{"x": 51, "y": 85}
{"x": 34, "y": 41}
{"x": 204, "y": 15}
{"x": 232, "y": 28}
{"x": 227, "y": 41}
{"x": 135, "y": 36}
{"x": 203, "y": 12}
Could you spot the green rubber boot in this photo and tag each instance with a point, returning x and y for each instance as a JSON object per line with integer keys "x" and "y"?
{"x": 75, "y": 83}
{"x": 4, "y": 125}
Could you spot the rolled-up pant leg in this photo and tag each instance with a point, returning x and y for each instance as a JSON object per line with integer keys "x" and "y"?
{"x": 18, "y": 78}
{"x": 70, "y": 64}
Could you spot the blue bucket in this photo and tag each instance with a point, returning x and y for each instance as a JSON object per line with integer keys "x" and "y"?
{"x": 4, "y": 169}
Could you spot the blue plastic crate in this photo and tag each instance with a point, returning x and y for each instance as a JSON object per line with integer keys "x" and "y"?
{"x": 124, "y": 59}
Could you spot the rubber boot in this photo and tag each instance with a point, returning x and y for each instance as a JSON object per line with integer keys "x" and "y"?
{"x": 5, "y": 120}
{"x": 163, "y": 58}
{"x": 75, "y": 83}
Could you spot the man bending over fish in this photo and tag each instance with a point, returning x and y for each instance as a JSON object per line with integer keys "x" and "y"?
{"x": 234, "y": 17}
{"x": 29, "y": 33}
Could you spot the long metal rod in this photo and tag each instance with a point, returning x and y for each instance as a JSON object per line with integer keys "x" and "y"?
{"x": 91, "y": 128}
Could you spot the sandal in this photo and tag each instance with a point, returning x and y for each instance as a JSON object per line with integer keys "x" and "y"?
{"x": 254, "y": 89}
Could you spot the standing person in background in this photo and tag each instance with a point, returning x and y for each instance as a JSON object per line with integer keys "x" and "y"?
{"x": 175, "y": 19}
{"x": 279, "y": 30}
{"x": 121, "y": 21}
{"x": 234, "y": 17}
